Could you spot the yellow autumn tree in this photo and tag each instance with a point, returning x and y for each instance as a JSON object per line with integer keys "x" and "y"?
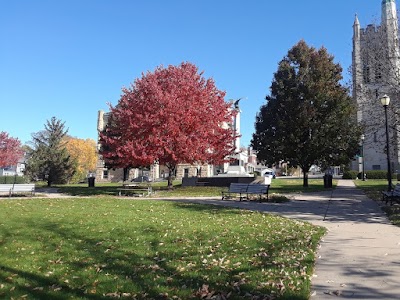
{"x": 83, "y": 152}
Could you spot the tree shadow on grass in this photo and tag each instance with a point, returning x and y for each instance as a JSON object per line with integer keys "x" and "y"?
{"x": 39, "y": 287}
{"x": 110, "y": 265}
{"x": 196, "y": 207}
{"x": 393, "y": 213}
{"x": 88, "y": 191}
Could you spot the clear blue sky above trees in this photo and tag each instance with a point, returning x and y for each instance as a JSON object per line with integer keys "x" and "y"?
{"x": 68, "y": 58}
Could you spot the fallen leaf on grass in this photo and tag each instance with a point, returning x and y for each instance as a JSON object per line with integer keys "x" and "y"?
{"x": 112, "y": 295}
{"x": 204, "y": 292}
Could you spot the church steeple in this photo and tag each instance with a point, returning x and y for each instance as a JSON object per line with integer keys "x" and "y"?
{"x": 356, "y": 28}
{"x": 389, "y": 13}
{"x": 357, "y": 64}
{"x": 390, "y": 28}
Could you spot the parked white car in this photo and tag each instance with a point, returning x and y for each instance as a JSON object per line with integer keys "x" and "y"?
{"x": 270, "y": 174}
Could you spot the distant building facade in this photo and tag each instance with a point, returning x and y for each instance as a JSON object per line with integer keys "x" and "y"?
{"x": 16, "y": 170}
{"x": 105, "y": 174}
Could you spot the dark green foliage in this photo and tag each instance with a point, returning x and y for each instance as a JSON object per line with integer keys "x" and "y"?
{"x": 12, "y": 179}
{"x": 378, "y": 174}
{"x": 309, "y": 117}
{"x": 350, "y": 174}
{"x": 48, "y": 158}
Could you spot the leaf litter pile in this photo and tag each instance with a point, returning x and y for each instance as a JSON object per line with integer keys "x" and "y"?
{"x": 100, "y": 248}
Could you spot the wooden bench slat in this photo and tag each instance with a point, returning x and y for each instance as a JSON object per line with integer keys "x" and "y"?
{"x": 135, "y": 189}
{"x": 18, "y": 188}
{"x": 244, "y": 190}
{"x": 5, "y": 187}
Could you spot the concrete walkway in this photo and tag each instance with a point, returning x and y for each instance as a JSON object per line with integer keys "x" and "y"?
{"x": 359, "y": 257}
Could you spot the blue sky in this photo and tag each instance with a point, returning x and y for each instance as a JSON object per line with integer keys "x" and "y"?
{"x": 69, "y": 58}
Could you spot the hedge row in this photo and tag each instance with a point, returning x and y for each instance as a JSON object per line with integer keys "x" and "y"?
{"x": 381, "y": 174}
{"x": 12, "y": 179}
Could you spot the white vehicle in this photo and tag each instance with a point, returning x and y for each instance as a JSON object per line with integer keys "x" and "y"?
{"x": 269, "y": 173}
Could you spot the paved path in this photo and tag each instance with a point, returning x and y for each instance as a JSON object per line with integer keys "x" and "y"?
{"x": 359, "y": 257}
{"x": 52, "y": 192}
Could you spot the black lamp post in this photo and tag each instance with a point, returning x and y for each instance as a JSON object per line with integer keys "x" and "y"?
{"x": 362, "y": 155}
{"x": 385, "y": 100}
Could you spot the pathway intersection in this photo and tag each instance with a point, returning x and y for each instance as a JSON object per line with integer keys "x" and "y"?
{"x": 359, "y": 257}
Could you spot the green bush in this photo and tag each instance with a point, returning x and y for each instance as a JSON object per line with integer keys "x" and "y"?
{"x": 12, "y": 179}
{"x": 378, "y": 174}
{"x": 381, "y": 174}
{"x": 350, "y": 175}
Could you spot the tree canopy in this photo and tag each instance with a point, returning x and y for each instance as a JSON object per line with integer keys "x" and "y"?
{"x": 83, "y": 152}
{"x": 309, "y": 117}
{"x": 172, "y": 115}
{"x": 48, "y": 157}
{"x": 10, "y": 150}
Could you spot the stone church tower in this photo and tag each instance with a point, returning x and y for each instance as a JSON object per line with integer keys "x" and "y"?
{"x": 375, "y": 71}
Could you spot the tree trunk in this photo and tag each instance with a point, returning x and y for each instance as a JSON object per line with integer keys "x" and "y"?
{"x": 305, "y": 178}
{"x": 171, "y": 176}
{"x": 126, "y": 174}
{"x": 170, "y": 182}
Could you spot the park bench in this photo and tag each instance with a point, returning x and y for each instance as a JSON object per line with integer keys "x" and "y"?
{"x": 392, "y": 196}
{"x": 243, "y": 190}
{"x": 17, "y": 188}
{"x": 135, "y": 190}
{"x": 6, "y": 188}
{"x": 23, "y": 188}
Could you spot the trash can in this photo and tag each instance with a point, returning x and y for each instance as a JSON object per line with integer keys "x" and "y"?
{"x": 91, "y": 181}
{"x": 328, "y": 181}
{"x": 267, "y": 179}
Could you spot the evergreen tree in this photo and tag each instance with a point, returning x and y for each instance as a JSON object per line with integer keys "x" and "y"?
{"x": 48, "y": 157}
{"x": 309, "y": 118}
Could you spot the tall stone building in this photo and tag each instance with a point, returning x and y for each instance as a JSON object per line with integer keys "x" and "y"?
{"x": 375, "y": 71}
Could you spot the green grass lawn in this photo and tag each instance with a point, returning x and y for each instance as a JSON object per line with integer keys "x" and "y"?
{"x": 373, "y": 187}
{"x": 105, "y": 247}
{"x": 295, "y": 185}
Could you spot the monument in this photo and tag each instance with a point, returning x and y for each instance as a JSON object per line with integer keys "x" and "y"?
{"x": 239, "y": 160}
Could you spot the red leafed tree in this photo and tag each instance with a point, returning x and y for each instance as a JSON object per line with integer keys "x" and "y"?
{"x": 10, "y": 150}
{"x": 171, "y": 116}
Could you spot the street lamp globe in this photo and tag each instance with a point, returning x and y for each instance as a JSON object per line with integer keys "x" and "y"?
{"x": 385, "y": 100}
